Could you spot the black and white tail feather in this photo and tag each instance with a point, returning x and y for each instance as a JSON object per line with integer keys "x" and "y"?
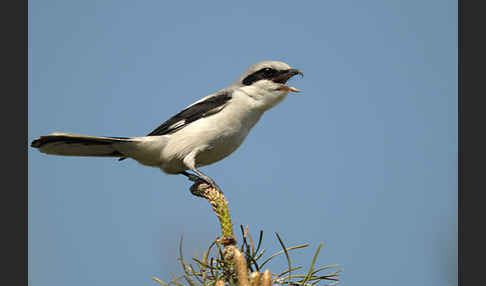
{"x": 66, "y": 144}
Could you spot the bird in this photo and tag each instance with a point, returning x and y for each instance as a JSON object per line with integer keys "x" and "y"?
{"x": 203, "y": 133}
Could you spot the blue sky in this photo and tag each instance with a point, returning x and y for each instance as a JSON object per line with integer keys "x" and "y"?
{"x": 364, "y": 159}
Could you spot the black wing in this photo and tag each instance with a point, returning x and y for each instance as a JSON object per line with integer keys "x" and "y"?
{"x": 209, "y": 106}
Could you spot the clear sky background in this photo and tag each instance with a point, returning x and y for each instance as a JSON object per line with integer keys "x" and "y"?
{"x": 364, "y": 159}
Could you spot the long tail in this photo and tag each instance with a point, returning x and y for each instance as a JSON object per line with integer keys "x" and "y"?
{"x": 78, "y": 145}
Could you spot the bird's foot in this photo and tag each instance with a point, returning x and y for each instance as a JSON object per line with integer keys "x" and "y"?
{"x": 200, "y": 188}
{"x": 200, "y": 184}
{"x": 194, "y": 178}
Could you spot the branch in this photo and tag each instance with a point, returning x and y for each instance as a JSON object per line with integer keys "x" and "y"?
{"x": 220, "y": 207}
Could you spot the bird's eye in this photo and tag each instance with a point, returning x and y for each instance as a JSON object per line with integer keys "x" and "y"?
{"x": 268, "y": 72}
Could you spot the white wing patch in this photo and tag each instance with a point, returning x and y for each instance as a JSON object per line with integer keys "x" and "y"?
{"x": 178, "y": 124}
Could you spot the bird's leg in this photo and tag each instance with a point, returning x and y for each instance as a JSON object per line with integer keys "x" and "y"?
{"x": 201, "y": 179}
{"x": 192, "y": 177}
{"x": 190, "y": 162}
{"x": 208, "y": 180}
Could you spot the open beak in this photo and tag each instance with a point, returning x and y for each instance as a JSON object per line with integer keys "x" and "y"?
{"x": 284, "y": 76}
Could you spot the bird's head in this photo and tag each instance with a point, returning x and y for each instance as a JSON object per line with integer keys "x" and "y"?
{"x": 266, "y": 82}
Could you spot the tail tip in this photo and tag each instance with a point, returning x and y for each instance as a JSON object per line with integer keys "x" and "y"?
{"x": 36, "y": 143}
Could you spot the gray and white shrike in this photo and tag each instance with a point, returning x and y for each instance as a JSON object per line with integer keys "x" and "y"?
{"x": 203, "y": 133}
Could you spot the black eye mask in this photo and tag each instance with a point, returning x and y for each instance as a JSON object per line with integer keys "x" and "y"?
{"x": 270, "y": 74}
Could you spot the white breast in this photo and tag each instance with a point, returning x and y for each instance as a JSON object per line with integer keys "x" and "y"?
{"x": 217, "y": 136}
